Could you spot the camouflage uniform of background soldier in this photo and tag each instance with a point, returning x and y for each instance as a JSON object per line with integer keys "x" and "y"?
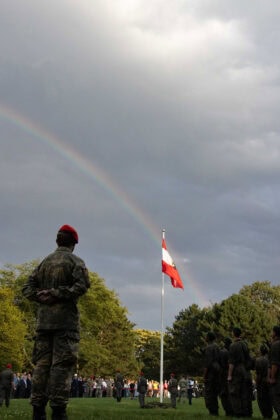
{"x": 56, "y": 284}
{"x": 211, "y": 374}
{"x": 119, "y": 386}
{"x": 173, "y": 389}
{"x": 6, "y": 383}
{"x": 183, "y": 387}
{"x": 263, "y": 391}
{"x": 224, "y": 392}
{"x": 274, "y": 369}
{"x": 142, "y": 387}
{"x": 239, "y": 376}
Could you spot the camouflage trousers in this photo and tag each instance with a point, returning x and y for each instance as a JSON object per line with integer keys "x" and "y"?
{"x": 55, "y": 357}
{"x": 5, "y": 395}
{"x": 141, "y": 399}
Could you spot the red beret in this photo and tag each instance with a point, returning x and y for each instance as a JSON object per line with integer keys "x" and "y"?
{"x": 141, "y": 373}
{"x": 70, "y": 229}
{"x": 172, "y": 374}
{"x": 9, "y": 366}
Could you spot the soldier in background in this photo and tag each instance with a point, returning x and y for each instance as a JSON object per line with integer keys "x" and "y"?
{"x": 6, "y": 384}
{"x": 142, "y": 387}
{"x": 263, "y": 392}
{"x": 211, "y": 374}
{"x": 224, "y": 392}
{"x": 239, "y": 376}
{"x": 183, "y": 386}
{"x": 173, "y": 389}
{"x": 56, "y": 285}
{"x": 274, "y": 369}
{"x": 119, "y": 385}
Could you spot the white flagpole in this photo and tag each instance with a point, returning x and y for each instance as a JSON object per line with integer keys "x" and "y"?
{"x": 161, "y": 334}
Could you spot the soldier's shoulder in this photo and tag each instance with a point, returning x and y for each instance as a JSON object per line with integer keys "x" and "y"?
{"x": 78, "y": 259}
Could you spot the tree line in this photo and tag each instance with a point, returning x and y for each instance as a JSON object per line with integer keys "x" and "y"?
{"x": 109, "y": 341}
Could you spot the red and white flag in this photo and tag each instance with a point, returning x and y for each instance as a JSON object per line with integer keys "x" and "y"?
{"x": 169, "y": 268}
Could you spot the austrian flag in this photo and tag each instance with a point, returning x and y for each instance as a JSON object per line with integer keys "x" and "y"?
{"x": 169, "y": 268}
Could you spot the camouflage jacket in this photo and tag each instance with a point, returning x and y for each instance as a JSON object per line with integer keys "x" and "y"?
{"x": 66, "y": 277}
{"x": 6, "y": 378}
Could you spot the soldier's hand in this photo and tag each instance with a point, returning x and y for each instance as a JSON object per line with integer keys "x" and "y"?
{"x": 45, "y": 296}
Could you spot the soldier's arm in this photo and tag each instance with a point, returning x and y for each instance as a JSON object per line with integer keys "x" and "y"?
{"x": 80, "y": 285}
{"x": 273, "y": 373}
{"x": 30, "y": 288}
{"x": 230, "y": 370}
{"x": 274, "y": 362}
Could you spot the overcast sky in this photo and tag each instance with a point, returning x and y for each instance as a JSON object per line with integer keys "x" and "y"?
{"x": 123, "y": 117}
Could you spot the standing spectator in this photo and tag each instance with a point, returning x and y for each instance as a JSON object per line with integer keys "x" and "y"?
{"x": 224, "y": 392}
{"x": 6, "y": 384}
{"x": 183, "y": 386}
{"x": 75, "y": 386}
{"x": 94, "y": 384}
{"x": 56, "y": 285}
{"x": 104, "y": 388}
{"x": 22, "y": 386}
{"x": 109, "y": 389}
{"x": 165, "y": 389}
{"x": 125, "y": 393}
{"x": 132, "y": 389}
{"x": 155, "y": 389}
{"x": 212, "y": 374}
{"x": 28, "y": 385}
{"x": 274, "y": 370}
{"x": 98, "y": 393}
{"x": 190, "y": 390}
{"x": 119, "y": 385}
{"x": 173, "y": 389}
{"x": 15, "y": 384}
{"x": 263, "y": 393}
{"x": 142, "y": 387}
{"x": 150, "y": 388}
{"x": 86, "y": 387}
{"x": 239, "y": 376}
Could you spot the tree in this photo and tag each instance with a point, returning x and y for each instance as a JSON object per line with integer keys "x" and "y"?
{"x": 12, "y": 330}
{"x": 185, "y": 340}
{"x": 266, "y": 296}
{"x": 13, "y": 277}
{"x": 239, "y": 310}
{"x": 107, "y": 336}
{"x": 147, "y": 350}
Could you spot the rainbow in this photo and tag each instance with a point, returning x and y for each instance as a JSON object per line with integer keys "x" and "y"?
{"x": 97, "y": 174}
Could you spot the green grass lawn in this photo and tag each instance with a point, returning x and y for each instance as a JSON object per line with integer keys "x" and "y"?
{"x": 108, "y": 408}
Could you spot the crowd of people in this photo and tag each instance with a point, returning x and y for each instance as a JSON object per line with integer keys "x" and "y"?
{"x": 99, "y": 387}
{"x": 19, "y": 385}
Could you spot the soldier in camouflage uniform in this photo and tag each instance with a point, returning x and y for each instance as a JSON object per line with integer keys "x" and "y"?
{"x": 183, "y": 387}
{"x": 211, "y": 374}
{"x": 173, "y": 389}
{"x": 142, "y": 387}
{"x": 56, "y": 284}
{"x": 119, "y": 385}
{"x": 6, "y": 383}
